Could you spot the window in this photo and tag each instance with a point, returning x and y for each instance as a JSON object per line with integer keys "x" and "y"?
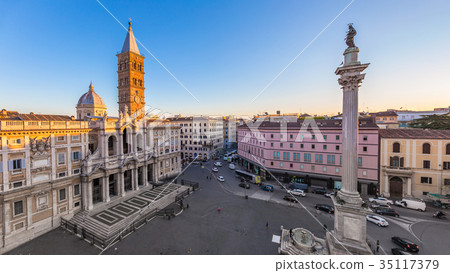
{"x": 271, "y": 135}
{"x": 396, "y": 147}
{"x": 291, "y": 145}
{"x": 271, "y": 144}
{"x": 76, "y": 189}
{"x": 271, "y": 163}
{"x": 62, "y": 194}
{"x": 61, "y": 158}
{"x": 324, "y": 168}
{"x": 60, "y": 138}
{"x": 426, "y": 180}
{"x": 447, "y": 149}
{"x": 76, "y": 204}
{"x": 337, "y": 137}
{"x": 16, "y": 164}
{"x": 447, "y": 182}
{"x": 18, "y": 208}
{"x": 337, "y": 147}
{"x": 313, "y": 167}
{"x": 76, "y": 156}
{"x": 426, "y": 148}
{"x": 301, "y": 146}
{"x": 281, "y": 164}
{"x": 426, "y": 164}
{"x": 61, "y": 174}
{"x": 325, "y": 137}
{"x": 313, "y": 146}
{"x": 364, "y": 148}
{"x": 360, "y": 161}
{"x": 301, "y": 166}
{"x": 364, "y": 173}
{"x": 291, "y": 136}
{"x": 365, "y": 138}
{"x": 425, "y": 193}
{"x": 307, "y": 157}
{"x": 313, "y": 136}
{"x": 446, "y": 165}
{"x": 17, "y": 184}
{"x": 319, "y": 158}
{"x": 337, "y": 170}
{"x": 324, "y": 147}
{"x": 286, "y": 155}
{"x": 76, "y": 137}
{"x": 276, "y": 155}
{"x": 281, "y": 145}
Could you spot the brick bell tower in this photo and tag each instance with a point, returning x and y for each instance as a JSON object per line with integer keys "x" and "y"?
{"x": 130, "y": 71}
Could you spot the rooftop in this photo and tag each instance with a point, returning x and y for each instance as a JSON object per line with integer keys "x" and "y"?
{"x": 415, "y": 133}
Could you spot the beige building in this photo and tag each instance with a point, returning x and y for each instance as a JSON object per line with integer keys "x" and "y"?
{"x": 54, "y": 166}
{"x": 414, "y": 162}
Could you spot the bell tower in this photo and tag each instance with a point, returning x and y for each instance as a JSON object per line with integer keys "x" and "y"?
{"x": 130, "y": 71}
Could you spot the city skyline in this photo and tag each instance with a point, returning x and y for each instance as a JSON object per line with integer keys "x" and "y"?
{"x": 226, "y": 62}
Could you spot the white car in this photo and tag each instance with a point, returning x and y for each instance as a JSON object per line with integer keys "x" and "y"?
{"x": 381, "y": 201}
{"x": 297, "y": 192}
{"x": 377, "y": 220}
{"x": 221, "y": 179}
{"x": 231, "y": 166}
{"x": 329, "y": 194}
{"x": 218, "y": 164}
{"x": 215, "y": 170}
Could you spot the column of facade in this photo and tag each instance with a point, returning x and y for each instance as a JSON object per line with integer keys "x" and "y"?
{"x": 144, "y": 174}
{"x": 121, "y": 185}
{"x": 29, "y": 212}
{"x": 7, "y": 218}
{"x": 133, "y": 141}
{"x": 90, "y": 200}
{"x": 70, "y": 197}
{"x": 409, "y": 186}
{"x": 105, "y": 188}
{"x": 134, "y": 178}
{"x": 120, "y": 143}
{"x": 385, "y": 190}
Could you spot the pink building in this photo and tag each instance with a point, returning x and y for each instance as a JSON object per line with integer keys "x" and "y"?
{"x": 307, "y": 151}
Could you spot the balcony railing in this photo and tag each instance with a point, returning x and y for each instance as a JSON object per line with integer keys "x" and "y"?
{"x": 6, "y": 125}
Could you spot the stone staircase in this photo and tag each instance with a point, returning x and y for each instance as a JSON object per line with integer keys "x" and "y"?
{"x": 84, "y": 225}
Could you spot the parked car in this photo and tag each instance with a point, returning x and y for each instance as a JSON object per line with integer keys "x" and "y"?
{"x": 405, "y": 244}
{"x": 412, "y": 204}
{"x": 221, "y": 179}
{"x": 267, "y": 188}
{"x": 384, "y": 211}
{"x": 381, "y": 201}
{"x": 377, "y": 220}
{"x": 244, "y": 185}
{"x": 218, "y": 164}
{"x": 290, "y": 198}
{"x": 297, "y": 192}
{"x": 399, "y": 251}
{"x": 231, "y": 166}
{"x": 319, "y": 191}
{"x": 329, "y": 194}
{"x": 324, "y": 207}
{"x": 215, "y": 170}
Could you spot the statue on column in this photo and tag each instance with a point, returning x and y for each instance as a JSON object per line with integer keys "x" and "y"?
{"x": 351, "y": 33}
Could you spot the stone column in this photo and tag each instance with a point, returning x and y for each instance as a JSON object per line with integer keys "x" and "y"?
{"x": 134, "y": 178}
{"x": 90, "y": 201}
{"x": 29, "y": 212}
{"x": 105, "y": 185}
{"x": 350, "y": 79}
{"x": 385, "y": 190}
{"x": 144, "y": 174}
{"x": 120, "y": 144}
{"x": 409, "y": 186}
{"x": 121, "y": 185}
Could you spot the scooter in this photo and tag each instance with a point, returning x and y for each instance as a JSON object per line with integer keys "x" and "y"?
{"x": 439, "y": 214}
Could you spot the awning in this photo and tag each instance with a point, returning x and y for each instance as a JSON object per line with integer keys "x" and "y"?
{"x": 440, "y": 196}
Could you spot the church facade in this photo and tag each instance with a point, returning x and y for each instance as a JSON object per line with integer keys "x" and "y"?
{"x": 54, "y": 166}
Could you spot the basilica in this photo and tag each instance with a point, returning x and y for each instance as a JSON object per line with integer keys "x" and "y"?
{"x": 57, "y": 166}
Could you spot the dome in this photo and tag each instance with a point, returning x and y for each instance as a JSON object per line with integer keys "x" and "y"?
{"x": 90, "y": 97}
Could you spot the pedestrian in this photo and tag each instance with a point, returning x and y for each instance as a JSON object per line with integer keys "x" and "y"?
{"x": 378, "y": 246}
{"x": 207, "y": 177}
{"x": 267, "y": 225}
{"x": 325, "y": 227}
{"x": 218, "y": 209}
{"x": 290, "y": 233}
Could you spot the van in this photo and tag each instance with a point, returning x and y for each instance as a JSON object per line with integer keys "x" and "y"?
{"x": 412, "y": 204}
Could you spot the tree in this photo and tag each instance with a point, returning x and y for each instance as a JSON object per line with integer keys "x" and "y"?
{"x": 440, "y": 122}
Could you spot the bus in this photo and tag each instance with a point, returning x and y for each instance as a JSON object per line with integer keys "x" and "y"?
{"x": 255, "y": 179}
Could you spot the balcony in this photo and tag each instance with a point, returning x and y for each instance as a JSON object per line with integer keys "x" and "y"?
{"x": 6, "y": 125}
{"x": 394, "y": 170}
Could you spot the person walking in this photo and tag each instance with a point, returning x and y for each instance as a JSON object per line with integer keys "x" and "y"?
{"x": 218, "y": 209}
{"x": 267, "y": 225}
{"x": 378, "y": 246}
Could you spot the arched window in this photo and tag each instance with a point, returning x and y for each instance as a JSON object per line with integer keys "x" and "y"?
{"x": 112, "y": 145}
{"x": 426, "y": 148}
{"x": 447, "y": 149}
{"x": 396, "y": 147}
{"x": 139, "y": 142}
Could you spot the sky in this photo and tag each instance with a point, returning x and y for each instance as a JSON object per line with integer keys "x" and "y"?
{"x": 225, "y": 53}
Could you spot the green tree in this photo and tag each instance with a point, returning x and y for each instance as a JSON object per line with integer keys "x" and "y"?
{"x": 441, "y": 122}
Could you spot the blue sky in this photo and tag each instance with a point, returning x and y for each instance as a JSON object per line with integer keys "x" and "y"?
{"x": 225, "y": 53}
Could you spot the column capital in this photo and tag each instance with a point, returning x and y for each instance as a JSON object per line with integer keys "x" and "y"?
{"x": 351, "y": 82}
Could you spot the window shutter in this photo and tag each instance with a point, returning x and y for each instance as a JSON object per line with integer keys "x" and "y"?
{"x": 22, "y": 163}
{"x": 391, "y": 161}
{"x": 10, "y": 165}
{"x": 72, "y": 156}
{"x": 401, "y": 162}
